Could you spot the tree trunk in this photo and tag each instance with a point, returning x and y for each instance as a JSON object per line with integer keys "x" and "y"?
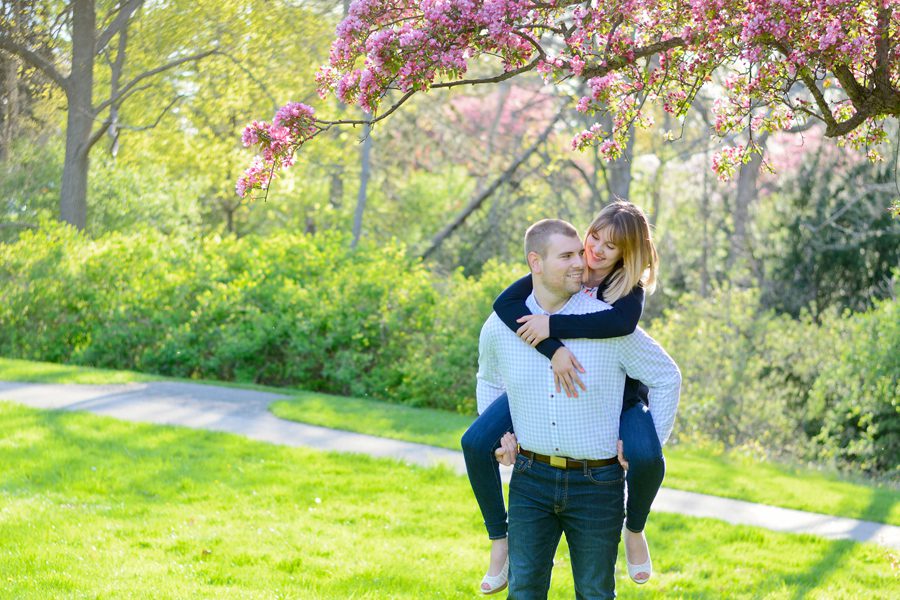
{"x": 618, "y": 173}
{"x": 364, "y": 171}
{"x": 10, "y": 108}
{"x": 73, "y": 191}
{"x": 747, "y": 192}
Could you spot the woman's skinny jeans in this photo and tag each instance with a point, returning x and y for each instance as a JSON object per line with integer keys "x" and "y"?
{"x": 646, "y": 465}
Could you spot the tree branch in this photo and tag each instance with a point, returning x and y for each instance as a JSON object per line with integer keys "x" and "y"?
{"x": 448, "y": 84}
{"x": 158, "y": 118}
{"x": 170, "y": 65}
{"x": 495, "y": 79}
{"x": 95, "y": 137}
{"x": 35, "y": 60}
{"x": 119, "y": 23}
{"x": 480, "y": 198}
{"x": 253, "y": 78}
{"x": 618, "y": 62}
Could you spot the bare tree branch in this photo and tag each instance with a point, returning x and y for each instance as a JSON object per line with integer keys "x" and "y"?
{"x": 126, "y": 10}
{"x": 159, "y": 118}
{"x": 480, "y": 198}
{"x": 170, "y": 65}
{"x": 253, "y": 78}
{"x": 95, "y": 137}
{"x": 35, "y": 60}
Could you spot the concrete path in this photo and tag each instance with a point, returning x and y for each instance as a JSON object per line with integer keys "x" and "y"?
{"x": 245, "y": 412}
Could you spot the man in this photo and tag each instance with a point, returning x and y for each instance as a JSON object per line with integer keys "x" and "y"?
{"x": 566, "y": 476}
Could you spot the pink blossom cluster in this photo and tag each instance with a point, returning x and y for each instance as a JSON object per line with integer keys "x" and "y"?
{"x": 405, "y": 45}
{"x": 293, "y": 125}
{"x": 793, "y": 60}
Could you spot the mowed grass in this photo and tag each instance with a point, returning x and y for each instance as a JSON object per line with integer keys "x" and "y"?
{"x": 706, "y": 471}
{"x": 98, "y": 508}
{"x": 730, "y": 475}
{"x": 43, "y": 372}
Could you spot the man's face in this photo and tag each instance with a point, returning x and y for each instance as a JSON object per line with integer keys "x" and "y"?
{"x": 562, "y": 268}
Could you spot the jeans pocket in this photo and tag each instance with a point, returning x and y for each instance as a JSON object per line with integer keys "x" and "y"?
{"x": 609, "y": 475}
{"x": 522, "y": 463}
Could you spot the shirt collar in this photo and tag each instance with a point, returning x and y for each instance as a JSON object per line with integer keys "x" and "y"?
{"x": 536, "y": 309}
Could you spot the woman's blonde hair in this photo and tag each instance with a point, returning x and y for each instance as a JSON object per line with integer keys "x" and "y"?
{"x": 627, "y": 228}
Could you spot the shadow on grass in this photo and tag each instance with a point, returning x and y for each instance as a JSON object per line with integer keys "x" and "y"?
{"x": 878, "y": 510}
{"x": 79, "y": 460}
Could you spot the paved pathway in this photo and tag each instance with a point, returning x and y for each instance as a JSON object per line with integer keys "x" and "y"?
{"x": 245, "y": 412}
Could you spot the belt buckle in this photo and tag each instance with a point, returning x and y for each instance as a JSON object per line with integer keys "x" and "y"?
{"x": 558, "y": 461}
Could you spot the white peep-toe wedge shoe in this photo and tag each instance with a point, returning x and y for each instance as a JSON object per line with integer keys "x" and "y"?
{"x": 491, "y": 584}
{"x": 635, "y": 570}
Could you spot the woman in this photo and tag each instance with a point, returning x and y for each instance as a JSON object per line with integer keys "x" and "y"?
{"x": 621, "y": 263}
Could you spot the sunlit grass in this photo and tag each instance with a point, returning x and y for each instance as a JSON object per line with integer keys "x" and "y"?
{"x": 94, "y": 507}
{"x": 729, "y": 475}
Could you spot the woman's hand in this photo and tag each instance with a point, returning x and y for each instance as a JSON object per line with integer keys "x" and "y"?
{"x": 509, "y": 448}
{"x": 621, "y": 455}
{"x": 565, "y": 372}
{"x": 535, "y": 330}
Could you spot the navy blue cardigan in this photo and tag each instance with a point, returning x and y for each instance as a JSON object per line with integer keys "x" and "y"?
{"x": 621, "y": 320}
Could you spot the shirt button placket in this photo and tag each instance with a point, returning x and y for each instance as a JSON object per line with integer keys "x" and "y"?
{"x": 553, "y": 416}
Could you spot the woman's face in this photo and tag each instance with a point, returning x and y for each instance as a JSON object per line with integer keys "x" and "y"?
{"x": 600, "y": 253}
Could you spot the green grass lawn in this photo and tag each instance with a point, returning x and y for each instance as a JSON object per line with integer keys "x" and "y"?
{"x": 92, "y": 507}
{"x": 722, "y": 474}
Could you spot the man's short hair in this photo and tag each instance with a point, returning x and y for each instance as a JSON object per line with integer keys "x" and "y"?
{"x": 537, "y": 238}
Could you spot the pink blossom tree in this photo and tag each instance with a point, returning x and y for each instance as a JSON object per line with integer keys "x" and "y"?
{"x": 783, "y": 62}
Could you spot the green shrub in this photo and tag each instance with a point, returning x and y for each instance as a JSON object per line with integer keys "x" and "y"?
{"x": 856, "y": 398}
{"x": 440, "y": 367}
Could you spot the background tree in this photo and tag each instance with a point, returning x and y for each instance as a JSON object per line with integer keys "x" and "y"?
{"x": 85, "y": 39}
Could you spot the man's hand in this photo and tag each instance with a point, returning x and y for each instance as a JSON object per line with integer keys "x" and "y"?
{"x": 535, "y": 330}
{"x": 622, "y": 461}
{"x": 509, "y": 448}
{"x": 565, "y": 372}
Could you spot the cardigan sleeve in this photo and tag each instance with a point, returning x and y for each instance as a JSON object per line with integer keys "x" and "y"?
{"x": 510, "y": 306}
{"x": 621, "y": 319}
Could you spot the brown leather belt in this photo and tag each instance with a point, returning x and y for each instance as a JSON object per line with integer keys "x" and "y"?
{"x": 562, "y": 462}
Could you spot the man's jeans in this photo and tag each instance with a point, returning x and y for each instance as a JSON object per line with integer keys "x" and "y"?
{"x": 646, "y": 466}
{"x": 588, "y": 505}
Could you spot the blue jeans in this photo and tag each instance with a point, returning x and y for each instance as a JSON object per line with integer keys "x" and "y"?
{"x": 545, "y": 502}
{"x": 478, "y": 445}
{"x": 646, "y": 467}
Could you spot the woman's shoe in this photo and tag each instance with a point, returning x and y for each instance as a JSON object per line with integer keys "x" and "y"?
{"x": 635, "y": 570}
{"x": 491, "y": 584}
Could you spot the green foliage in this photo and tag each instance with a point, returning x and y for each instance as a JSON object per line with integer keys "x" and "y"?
{"x": 826, "y": 392}
{"x": 834, "y": 242}
{"x": 856, "y": 398}
{"x": 29, "y": 186}
{"x": 301, "y": 310}
{"x": 443, "y": 359}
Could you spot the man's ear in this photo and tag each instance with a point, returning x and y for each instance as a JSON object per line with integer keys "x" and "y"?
{"x": 535, "y": 262}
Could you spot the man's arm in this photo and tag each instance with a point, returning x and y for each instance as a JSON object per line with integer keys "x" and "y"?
{"x": 490, "y": 381}
{"x": 645, "y": 360}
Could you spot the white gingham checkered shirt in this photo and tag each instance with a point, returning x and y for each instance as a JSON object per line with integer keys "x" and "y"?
{"x": 586, "y": 427}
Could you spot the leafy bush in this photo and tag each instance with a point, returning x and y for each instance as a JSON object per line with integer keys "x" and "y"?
{"x": 788, "y": 387}
{"x": 855, "y": 401}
